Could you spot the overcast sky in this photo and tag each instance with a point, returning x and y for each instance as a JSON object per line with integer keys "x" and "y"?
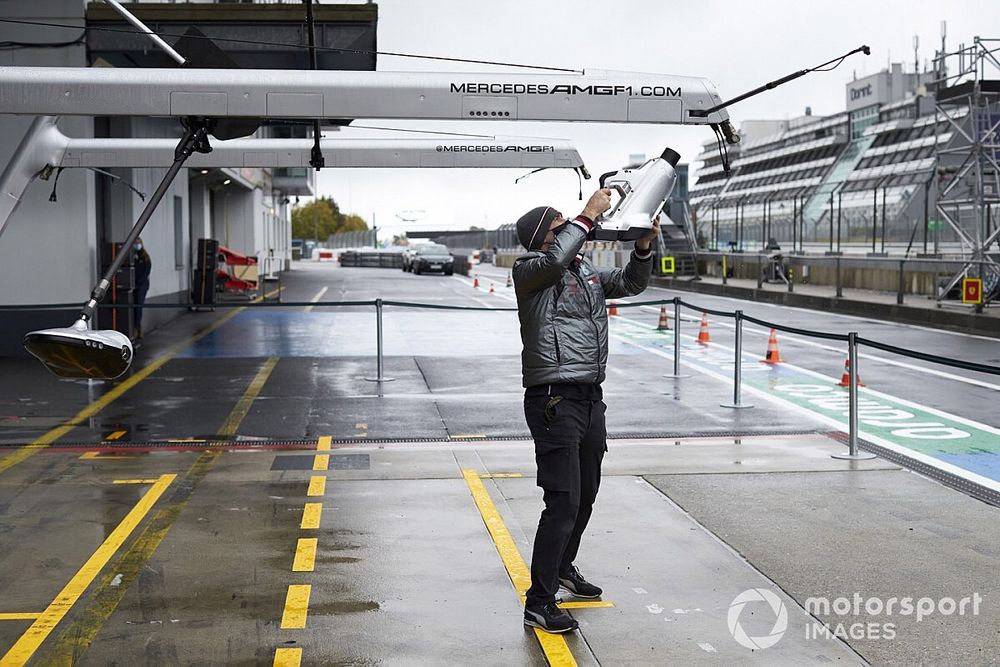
{"x": 736, "y": 45}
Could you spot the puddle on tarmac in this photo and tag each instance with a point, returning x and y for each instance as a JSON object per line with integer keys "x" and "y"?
{"x": 348, "y": 607}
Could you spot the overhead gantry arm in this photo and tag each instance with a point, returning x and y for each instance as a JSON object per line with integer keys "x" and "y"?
{"x": 44, "y": 146}
{"x": 590, "y": 96}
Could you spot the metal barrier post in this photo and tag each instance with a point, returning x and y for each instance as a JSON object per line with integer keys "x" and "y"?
{"x": 760, "y": 270}
{"x": 725, "y": 269}
{"x": 738, "y": 367}
{"x": 853, "y": 454}
{"x": 378, "y": 319}
{"x": 677, "y": 342}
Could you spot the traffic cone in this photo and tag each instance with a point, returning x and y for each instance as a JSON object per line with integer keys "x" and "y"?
{"x": 510, "y": 281}
{"x": 845, "y": 379}
{"x": 475, "y": 282}
{"x": 492, "y": 291}
{"x": 664, "y": 324}
{"x": 613, "y": 309}
{"x": 773, "y": 356}
{"x": 703, "y": 336}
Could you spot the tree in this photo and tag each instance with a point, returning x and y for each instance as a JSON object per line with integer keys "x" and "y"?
{"x": 475, "y": 228}
{"x": 322, "y": 217}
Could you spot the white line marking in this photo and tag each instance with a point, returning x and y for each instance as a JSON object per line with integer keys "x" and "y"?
{"x": 841, "y": 426}
{"x": 315, "y": 299}
{"x": 751, "y": 329}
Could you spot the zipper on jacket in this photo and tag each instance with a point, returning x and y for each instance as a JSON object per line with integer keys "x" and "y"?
{"x": 555, "y": 335}
{"x": 597, "y": 331}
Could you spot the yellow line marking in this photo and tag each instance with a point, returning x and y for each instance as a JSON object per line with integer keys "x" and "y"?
{"x": 33, "y": 637}
{"x": 500, "y": 475}
{"x": 296, "y": 607}
{"x": 315, "y": 299}
{"x": 242, "y": 406}
{"x": 467, "y": 436}
{"x": 116, "y": 435}
{"x": 360, "y": 435}
{"x": 554, "y": 646}
{"x": 114, "y": 393}
{"x": 324, "y": 443}
{"x": 305, "y": 555}
{"x": 317, "y": 485}
{"x": 134, "y": 481}
{"x": 322, "y": 462}
{"x": 588, "y": 604}
{"x": 361, "y": 425}
{"x": 90, "y": 456}
{"x": 311, "y": 515}
{"x": 288, "y": 657}
{"x": 19, "y": 616}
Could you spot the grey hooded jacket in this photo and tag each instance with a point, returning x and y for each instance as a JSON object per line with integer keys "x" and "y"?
{"x": 564, "y": 323}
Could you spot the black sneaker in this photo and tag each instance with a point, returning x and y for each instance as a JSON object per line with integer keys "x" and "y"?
{"x": 549, "y": 618}
{"x": 574, "y": 582}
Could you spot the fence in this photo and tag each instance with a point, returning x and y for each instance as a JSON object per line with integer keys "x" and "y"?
{"x": 852, "y": 341}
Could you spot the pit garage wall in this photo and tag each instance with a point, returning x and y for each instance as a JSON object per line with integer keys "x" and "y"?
{"x": 48, "y": 252}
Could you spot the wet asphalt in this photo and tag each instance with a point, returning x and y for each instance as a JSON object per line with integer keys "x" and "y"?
{"x": 160, "y": 520}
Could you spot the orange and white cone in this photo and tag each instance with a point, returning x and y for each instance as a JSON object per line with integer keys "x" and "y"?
{"x": 845, "y": 379}
{"x": 773, "y": 356}
{"x": 703, "y": 336}
{"x": 510, "y": 281}
{"x": 612, "y": 309}
{"x": 475, "y": 282}
{"x": 492, "y": 291}
{"x": 664, "y": 323}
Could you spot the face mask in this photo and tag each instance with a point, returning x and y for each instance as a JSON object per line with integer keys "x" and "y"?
{"x": 137, "y": 246}
{"x": 556, "y": 230}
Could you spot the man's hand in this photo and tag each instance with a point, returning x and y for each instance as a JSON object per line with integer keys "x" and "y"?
{"x": 599, "y": 202}
{"x": 643, "y": 244}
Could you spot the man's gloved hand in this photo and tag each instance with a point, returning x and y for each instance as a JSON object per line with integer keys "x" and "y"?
{"x": 642, "y": 245}
{"x": 599, "y": 202}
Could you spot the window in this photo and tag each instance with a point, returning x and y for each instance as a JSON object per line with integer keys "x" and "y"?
{"x": 861, "y": 119}
{"x": 178, "y": 232}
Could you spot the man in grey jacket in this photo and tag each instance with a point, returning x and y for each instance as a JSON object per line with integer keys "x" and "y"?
{"x": 564, "y": 331}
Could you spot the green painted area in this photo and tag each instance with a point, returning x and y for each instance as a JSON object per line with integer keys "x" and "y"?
{"x": 918, "y": 428}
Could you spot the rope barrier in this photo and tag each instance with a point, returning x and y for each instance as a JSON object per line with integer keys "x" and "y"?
{"x": 933, "y": 358}
{"x": 914, "y": 354}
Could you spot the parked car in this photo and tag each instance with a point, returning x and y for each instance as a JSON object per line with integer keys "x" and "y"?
{"x": 410, "y": 252}
{"x": 433, "y": 258}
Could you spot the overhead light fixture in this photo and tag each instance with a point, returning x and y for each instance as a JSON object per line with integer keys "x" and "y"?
{"x": 204, "y": 171}
{"x": 227, "y": 181}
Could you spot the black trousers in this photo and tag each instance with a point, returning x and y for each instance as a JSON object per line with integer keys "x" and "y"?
{"x": 570, "y": 440}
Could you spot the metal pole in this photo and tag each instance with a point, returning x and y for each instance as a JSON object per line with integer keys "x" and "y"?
{"x": 677, "y": 342}
{"x": 839, "y": 198}
{"x": 882, "y": 244}
{"x": 378, "y": 320}
{"x": 852, "y": 357}
{"x": 899, "y": 292}
{"x": 927, "y": 187}
{"x": 795, "y": 220}
{"x": 831, "y": 222}
{"x": 840, "y": 286}
{"x": 737, "y": 367}
{"x": 128, "y": 16}
{"x": 874, "y": 216}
